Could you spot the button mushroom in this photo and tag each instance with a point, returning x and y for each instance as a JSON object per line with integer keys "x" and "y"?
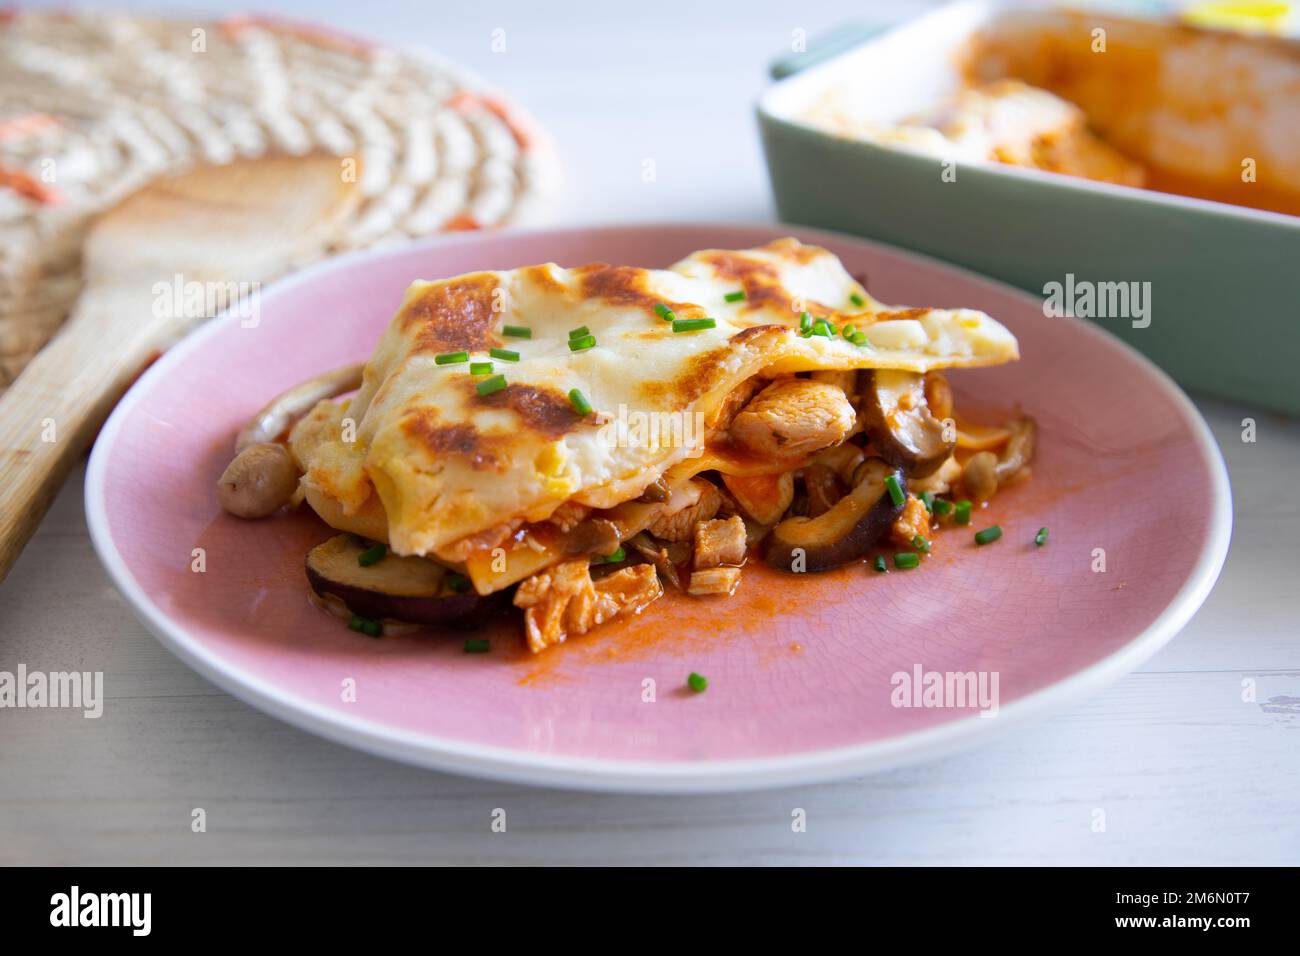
{"x": 985, "y": 471}
{"x": 844, "y": 533}
{"x": 901, "y": 425}
{"x": 261, "y": 479}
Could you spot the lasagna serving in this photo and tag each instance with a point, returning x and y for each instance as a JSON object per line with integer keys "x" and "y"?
{"x": 576, "y": 441}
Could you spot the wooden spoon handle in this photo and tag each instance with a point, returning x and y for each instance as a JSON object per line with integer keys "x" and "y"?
{"x": 50, "y": 415}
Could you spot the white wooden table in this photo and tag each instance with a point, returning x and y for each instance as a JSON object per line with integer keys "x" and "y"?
{"x": 1184, "y": 770}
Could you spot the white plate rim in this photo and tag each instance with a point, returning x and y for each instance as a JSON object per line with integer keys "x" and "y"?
{"x": 652, "y": 777}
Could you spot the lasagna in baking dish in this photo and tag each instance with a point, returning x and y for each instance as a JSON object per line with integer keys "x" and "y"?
{"x": 578, "y": 440}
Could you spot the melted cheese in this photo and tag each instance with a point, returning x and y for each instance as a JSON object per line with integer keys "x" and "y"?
{"x": 445, "y": 462}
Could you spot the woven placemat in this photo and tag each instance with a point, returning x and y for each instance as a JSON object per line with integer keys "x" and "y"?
{"x": 94, "y": 106}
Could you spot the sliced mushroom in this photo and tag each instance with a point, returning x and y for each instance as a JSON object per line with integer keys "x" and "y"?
{"x": 901, "y": 424}
{"x": 399, "y": 588}
{"x": 593, "y": 536}
{"x": 1020, "y": 449}
{"x": 260, "y": 480}
{"x": 824, "y": 489}
{"x": 985, "y": 472}
{"x": 262, "y": 476}
{"x": 268, "y": 424}
{"x": 846, "y": 532}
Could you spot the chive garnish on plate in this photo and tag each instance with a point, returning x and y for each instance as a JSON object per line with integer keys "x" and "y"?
{"x": 962, "y": 513}
{"x": 480, "y": 368}
{"x": 366, "y": 626}
{"x": 372, "y": 556}
{"x": 879, "y": 563}
{"x": 921, "y": 544}
{"x": 857, "y": 299}
{"x": 988, "y": 535}
{"x": 942, "y": 506}
{"x": 582, "y": 343}
{"x": 664, "y": 312}
{"x": 451, "y": 358}
{"x": 906, "y": 559}
{"x": 504, "y": 355}
{"x": 698, "y": 682}
{"x": 737, "y": 296}
{"x": 927, "y": 499}
{"x": 517, "y": 331}
{"x": 805, "y": 322}
{"x": 490, "y": 385}
{"x": 1040, "y": 539}
{"x": 895, "y": 490}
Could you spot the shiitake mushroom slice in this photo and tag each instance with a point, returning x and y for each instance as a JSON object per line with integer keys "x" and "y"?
{"x": 847, "y": 531}
{"x": 411, "y": 589}
{"x": 901, "y": 425}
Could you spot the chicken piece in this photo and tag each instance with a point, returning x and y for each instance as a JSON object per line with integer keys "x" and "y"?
{"x": 736, "y": 400}
{"x": 915, "y": 520}
{"x": 765, "y": 498}
{"x": 719, "y": 542}
{"x": 563, "y": 600}
{"x": 697, "y": 500}
{"x": 794, "y": 417}
{"x": 714, "y": 581}
{"x": 845, "y": 379}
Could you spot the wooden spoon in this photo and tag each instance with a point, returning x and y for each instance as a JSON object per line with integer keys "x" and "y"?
{"x": 246, "y": 222}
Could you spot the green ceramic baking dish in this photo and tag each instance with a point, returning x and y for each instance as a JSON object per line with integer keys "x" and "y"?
{"x": 1222, "y": 281}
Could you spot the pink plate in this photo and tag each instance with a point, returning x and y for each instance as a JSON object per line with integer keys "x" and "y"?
{"x": 803, "y": 672}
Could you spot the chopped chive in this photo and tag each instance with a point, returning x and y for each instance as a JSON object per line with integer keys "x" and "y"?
{"x": 962, "y": 514}
{"x": 366, "y": 626}
{"x": 456, "y": 583}
{"x": 616, "y": 557}
{"x": 480, "y": 368}
{"x": 805, "y": 322}
{"x": 921, "y": 544}
{"x": 693, "y": 325}
{"x": 857, "y": 299}
{"x": 906, "y": 560}
{"x": 737, "y": 296}
{"x": 517, "y": 331}
{"x": 879, "y": 563}
{"x": 665, "y": 313}
{"x": 579, "y": 402}
{"x": 941, "y": 506}
{"x": 504, "y": 355}
{"x": 1040, "y": 539}
{"x": 860, "y": 338}
{"x": 373, "y": 556}
{"x": 490, "y": 385}
{"x": 579, "y": 332}
{"x": 476, "y": 645}
{"x": 927, "y": 499}
{"x": 582, "y": 344}
{"x": 849, "y": 331}
{"x": 451, "y": 358}
{"x": 988, "y": 535}
{"x": 823, "y": 328}
{"x": 896, "y": 494}
{"x": 698, "y": 682}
